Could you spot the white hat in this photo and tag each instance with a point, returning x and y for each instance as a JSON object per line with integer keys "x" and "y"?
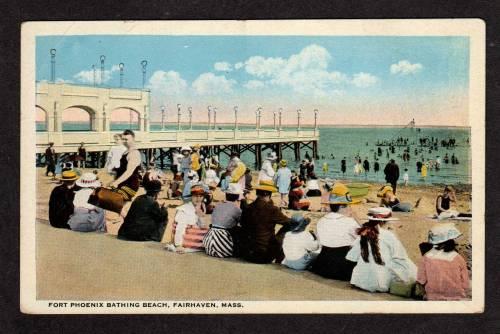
{"x": 186, "y": 148}
{"x": 443, "y": 232}
{"x": 88, "y": 180}
{"x": 192, "y": 174}
{"x": 272, "y": 156}
{"x": 234, "y": 188}
{"x": 380, "y": 214}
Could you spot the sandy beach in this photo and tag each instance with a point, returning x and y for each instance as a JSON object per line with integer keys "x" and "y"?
{"x": 72, "y": 265}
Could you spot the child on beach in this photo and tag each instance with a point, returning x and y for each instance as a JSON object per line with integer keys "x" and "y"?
{"x": 406, "y": 177}
{"x": 282, "y": 181}
{"x": 442, "y": 271}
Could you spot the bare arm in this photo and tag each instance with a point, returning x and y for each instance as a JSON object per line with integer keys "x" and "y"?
{"x": 133, "y": 160}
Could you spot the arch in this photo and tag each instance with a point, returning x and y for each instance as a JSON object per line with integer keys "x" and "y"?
{"x": 41, "y": 118}
{"x": 78, "y": 118}
{"x": 122, "y": 118}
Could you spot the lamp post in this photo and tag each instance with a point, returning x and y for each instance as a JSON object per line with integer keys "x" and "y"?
{"x": 280, "y": 112}
{"x": 274, "y": 119}
{"x": 102, "y": 59}
{"x": 236, "y": 117}
{"x": 215, "y": 118}
{"x": 190, "y": 118}
{"x": 52, "y": 65}
{"x": 163, "y": 118}
{"x": 257, "y": 119}
{"x": 144, "y": 63}
{"x": 209, "y": 110}
{"x": 316, "y": 119}
{"x": 298, "y": 119}
{"x": 178, "y": 116}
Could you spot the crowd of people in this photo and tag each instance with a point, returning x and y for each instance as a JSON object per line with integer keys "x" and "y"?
{"x": 342, "y": 246}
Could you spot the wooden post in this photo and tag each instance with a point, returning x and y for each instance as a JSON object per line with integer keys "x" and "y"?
{"x": 279, "y": 152}
{"x": 258, "y": 156}
{"x": 315, "y": 150}
{"x": 296, "y": 149}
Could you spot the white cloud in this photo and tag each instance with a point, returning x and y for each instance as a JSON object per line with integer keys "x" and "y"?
{"x": 167, "y": 83}
{"x": 87, "y": 76}
{"x": 404, "y": 67}
{"x": 254, "y": 84}
{"x": 238, "y": 65}
{"x": 223, "y": 66}
{"x": 264, "y": 67}
{"x": 211, "y": 84}
{"x": 363, "y": 80}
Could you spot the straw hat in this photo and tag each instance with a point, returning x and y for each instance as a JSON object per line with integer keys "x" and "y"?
{"x": 196, "y": 146}
{"x": 266, "y": 186}
{"x": 340, "y": 195}
{"x": 384, "y": 190}
{"x": 234, "y": 188}
{"x": 69, "y": 175}
{"x": 283, "y": 163}
{"x": 88, "y": 180}
{"x": 380, "y": 214}
{"x": 186, "y": 148}
{"x": 197, "y": 189}
{"x": 443, "y": 232}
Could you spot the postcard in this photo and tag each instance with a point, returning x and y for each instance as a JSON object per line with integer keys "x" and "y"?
{"x": 269, "y": 166}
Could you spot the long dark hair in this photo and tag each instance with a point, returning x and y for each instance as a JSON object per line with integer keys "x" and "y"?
{"x": 447, "y": 246}
{"x": 369, "y": 235}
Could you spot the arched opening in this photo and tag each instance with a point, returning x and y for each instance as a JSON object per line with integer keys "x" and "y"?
{"x": 40, "y": 119}
{"x": 124, "y": 118}
{"x": 78, "y": 118}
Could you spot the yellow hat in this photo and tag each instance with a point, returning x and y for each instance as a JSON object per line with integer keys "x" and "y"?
{"x": 69, "y": 175}
{"x": 283, "y": 163}
{"x": 384, "y": 190}
{"x": 340, "y": 195}
{"x": 196, "y": 146}
{"x": 266, "y": 186}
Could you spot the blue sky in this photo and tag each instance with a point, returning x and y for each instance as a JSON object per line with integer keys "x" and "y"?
{"x": 346, "y": 77}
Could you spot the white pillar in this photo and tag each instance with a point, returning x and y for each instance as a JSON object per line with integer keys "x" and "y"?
{"x": 106, "y": 118}
{"x": 146, "y": 119}
{"x": 57, "y": 117}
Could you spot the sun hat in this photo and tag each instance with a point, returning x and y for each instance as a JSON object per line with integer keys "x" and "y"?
{"x": 197, "y": 146}
{"x": 266, "y": 185}
{"x": 340, "y": 195}
{"x": 443, "y": 232}
{"x": 234, "y": 188}
{"x": 272, "y": 156}
{"x": 380, "y": 214}
{"x": 88, "y": 180}
{"x": 197, "y": 189}
{"x": 69, "y": 175}
{"x": 186, "y": 148}
{"x": 153, "y": 186}
{"x": 298, "y": 223}
{"x": 384, "y": 190}
{"x": 283, "y": 163}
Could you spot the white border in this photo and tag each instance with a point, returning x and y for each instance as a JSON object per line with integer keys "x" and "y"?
{"x": 474, "y": 28}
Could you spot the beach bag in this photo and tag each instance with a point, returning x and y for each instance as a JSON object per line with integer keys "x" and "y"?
{"x": 107, "y": 199}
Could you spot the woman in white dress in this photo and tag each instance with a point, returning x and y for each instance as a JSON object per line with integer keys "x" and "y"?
{"x": 380, "y": 256}
{"x": 300, "y": 246}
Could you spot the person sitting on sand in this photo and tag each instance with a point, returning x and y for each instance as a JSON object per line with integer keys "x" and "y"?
{"x": 443, "y": 204}
{"x": 380, "y": 257}
{"x": 188, "y": 221}
{"x": 115, "y": 154}
{"x": 299, "y": 245}
{"x": 312, "y": 186}
{"x": 389, "y": 200}
{"x": 211, "y": 179}
{"x": 146, "y": 220}
{"x": 282, "y": 180}
{"x": 87, "y": 217}
{"x": 259, "y": 242}
{"x": 296, "y": 200}
{"x": 442, "y": 271}
{"x": 220, "y": 239}
{"x": 174, "y": 186}
{"x": 336, "y": 233}
{"x": 61, "y": 205}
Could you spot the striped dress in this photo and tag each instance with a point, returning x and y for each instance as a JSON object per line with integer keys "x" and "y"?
{"x": 192, "y": 239}
{"x": 218, "y": 242}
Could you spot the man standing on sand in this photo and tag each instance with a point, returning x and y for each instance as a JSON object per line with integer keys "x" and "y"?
{"x": 82, "y": 153}
{"x": 391, "y": 172}
{"x": 127, "y": 175}
{"x": 50, "y": 160}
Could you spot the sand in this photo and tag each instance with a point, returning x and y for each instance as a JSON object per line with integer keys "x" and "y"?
{"x": 81, "y": 266}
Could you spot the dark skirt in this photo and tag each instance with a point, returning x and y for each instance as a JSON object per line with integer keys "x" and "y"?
{"x": 313, "y": 193}
{"x": 331, "y": 263}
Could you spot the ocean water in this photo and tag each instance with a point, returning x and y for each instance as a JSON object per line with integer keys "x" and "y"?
{"x": 337, "y": 143}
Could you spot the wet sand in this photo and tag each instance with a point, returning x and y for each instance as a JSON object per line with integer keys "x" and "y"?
{"x": 82, "y": 266}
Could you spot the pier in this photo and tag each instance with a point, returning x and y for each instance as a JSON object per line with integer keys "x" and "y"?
{"x": 99, "y": 102}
